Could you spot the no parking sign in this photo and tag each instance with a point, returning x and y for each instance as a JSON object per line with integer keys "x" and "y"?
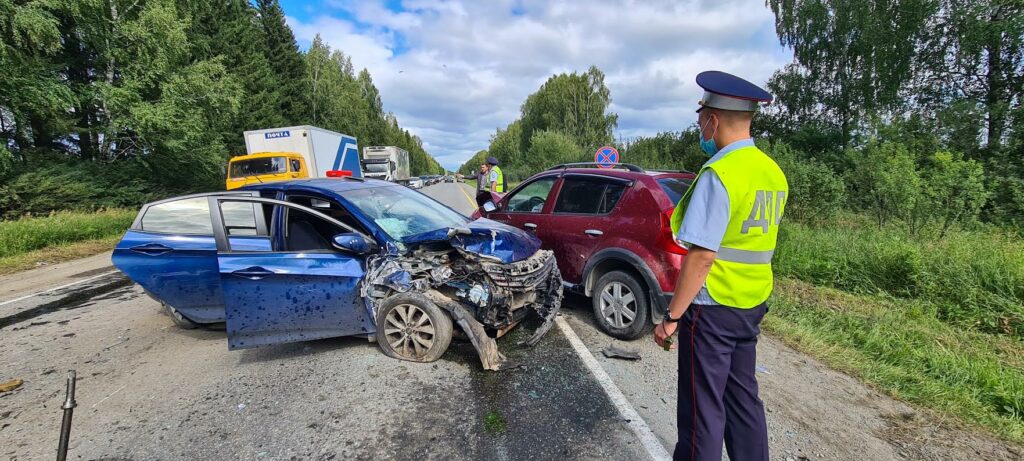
{"x": 606, "y": 157}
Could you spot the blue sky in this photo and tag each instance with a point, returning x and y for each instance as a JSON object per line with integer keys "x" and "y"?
{"x": 453, "y": 71}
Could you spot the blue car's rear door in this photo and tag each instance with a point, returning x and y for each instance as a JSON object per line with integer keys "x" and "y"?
{"x": 298, "y": 290}
{"x": 170, "y": 251}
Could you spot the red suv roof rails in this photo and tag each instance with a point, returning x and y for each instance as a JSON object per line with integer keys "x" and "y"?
{"x": 625, "y": 166}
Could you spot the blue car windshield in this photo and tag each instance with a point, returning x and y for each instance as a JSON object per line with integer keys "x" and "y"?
{"x": 402, "y": 212}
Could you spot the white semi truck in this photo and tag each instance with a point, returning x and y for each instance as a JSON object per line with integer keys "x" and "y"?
{"x": 388, "y": 163}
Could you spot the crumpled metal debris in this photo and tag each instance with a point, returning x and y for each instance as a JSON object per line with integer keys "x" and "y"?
{"x": 400, "y": 281}
{"x": 618, "y": 353}
{"x": 551, "y": 304}
{"x": 485, "y": 346}
{"x": 440, "y": 274}
{"x": 484, "y": 296}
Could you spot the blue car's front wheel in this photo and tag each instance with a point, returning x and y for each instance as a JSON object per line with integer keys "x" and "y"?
{"x": 411, "y": 327}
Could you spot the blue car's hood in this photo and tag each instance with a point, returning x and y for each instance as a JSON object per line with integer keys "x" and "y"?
{"x": 484, "y": 237}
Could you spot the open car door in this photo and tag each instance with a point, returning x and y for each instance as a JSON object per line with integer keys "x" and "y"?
{"x": 296, "y": 287}
{"x": 171, "y": 252}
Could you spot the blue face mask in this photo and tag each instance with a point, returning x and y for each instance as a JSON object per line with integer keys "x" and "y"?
{"x": 709, "y": 147}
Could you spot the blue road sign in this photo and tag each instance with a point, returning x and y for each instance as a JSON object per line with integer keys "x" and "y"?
{"x": 606, "y": 157}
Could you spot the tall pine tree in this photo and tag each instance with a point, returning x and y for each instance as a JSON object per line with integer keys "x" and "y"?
{"x": 231, "y": 29}
{"x": 286, "y": 62}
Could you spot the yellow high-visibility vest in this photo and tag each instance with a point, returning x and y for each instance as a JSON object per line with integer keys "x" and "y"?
{"x": 500, "y": 185}
{"x": 741, "y": 275}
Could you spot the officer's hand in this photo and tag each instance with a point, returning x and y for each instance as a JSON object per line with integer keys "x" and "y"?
{"x": 663, "y": 331}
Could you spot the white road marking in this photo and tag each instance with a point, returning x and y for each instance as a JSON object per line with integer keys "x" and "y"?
{"x": 647, "y": 438}
{"x": 57, "y": 288}
{"x": 109, "y": 396}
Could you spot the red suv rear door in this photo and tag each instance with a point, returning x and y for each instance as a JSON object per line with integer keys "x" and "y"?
{"x": 582, "y": 217}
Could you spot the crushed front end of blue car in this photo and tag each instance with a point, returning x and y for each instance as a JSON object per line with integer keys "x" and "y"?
{"x": 487, "y": 275}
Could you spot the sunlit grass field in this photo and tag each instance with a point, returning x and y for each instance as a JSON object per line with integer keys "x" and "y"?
{"x": 61, "y": 228}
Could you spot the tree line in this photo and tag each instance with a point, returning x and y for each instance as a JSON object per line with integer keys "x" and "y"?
{"x": 908, "y": 110}
{"x": 112, "y": 103}
{"x": 564, "y": 118}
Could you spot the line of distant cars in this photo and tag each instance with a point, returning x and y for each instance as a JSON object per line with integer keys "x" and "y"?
{"x": 429, "y": 180}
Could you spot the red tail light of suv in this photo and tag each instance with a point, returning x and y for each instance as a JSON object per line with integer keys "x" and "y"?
{"x": 609, "y": 230}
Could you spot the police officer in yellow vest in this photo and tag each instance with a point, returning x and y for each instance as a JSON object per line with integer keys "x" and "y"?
{"x": 495, "y": 178}
{"x": 729, "y": 218}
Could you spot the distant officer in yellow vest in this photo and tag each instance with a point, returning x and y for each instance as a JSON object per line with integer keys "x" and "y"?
{"x": 729, "y": 218}
{"x": 495, "y": 178}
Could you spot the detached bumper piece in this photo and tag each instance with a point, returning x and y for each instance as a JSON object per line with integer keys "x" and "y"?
{"x": 539, "y": 278}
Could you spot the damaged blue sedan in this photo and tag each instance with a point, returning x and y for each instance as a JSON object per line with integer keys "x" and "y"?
{"x": 321, "y": 258}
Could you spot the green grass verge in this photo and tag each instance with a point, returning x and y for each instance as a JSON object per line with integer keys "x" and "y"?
{"x": 902, "y": 348}
{"x": 61, "y": 228}
{"x": 56, "y": 254}
{"x": 973, "y": 279}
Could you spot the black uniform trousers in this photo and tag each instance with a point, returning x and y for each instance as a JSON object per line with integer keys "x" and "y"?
{"x": 717, "y": 388}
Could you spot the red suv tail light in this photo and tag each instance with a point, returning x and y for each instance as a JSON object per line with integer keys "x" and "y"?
{"x": 666, "y": 240}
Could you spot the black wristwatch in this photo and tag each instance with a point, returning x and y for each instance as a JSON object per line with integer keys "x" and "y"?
{"x": 668, "y": 317}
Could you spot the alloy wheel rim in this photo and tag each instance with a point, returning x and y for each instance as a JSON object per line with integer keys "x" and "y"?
{"x": 409, "y": 331}
{"x": 618, "y": 305}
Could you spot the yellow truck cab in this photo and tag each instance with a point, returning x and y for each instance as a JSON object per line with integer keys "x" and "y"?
{"x": 262, "y": 167}
{"x": 294, "y": 152}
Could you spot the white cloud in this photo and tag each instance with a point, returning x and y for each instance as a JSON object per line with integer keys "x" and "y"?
{"x": 367, "y": 50}
{"x": 453, "y": 71}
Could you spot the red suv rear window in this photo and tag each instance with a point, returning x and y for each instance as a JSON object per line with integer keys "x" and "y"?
{"x": 674, "y": 187}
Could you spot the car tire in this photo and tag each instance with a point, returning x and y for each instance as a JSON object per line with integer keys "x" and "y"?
{"x": 410, "y": 327}
{"x": 618, "y": 295}
{"x": 180, "y": 320}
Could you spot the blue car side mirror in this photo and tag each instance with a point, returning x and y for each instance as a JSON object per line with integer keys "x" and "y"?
{"x": 352, "y": 243}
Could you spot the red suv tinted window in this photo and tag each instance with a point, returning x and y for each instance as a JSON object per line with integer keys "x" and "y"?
{"x": 674, "y": 188}
{"x": 588, "y": 196}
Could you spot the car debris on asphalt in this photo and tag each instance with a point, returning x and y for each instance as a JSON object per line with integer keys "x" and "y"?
{"x": 614, "y": 352}
{"x": 11, "y": 385}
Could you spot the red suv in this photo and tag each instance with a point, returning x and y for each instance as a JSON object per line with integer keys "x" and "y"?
{"x": 609, "y": 230}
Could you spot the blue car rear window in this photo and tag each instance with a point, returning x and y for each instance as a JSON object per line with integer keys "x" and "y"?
{"x": 188, "y": 216}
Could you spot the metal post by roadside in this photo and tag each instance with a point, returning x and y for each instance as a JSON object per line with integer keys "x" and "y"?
{"x": 65, "y": 425}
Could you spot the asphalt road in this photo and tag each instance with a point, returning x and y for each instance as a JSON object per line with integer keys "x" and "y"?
{"x": 458, "y": 196}
{"x": 148, "y": 390}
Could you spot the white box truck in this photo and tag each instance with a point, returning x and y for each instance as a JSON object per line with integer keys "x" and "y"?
{"x": 389, "y": 163}
{"x": 293, "y": 152}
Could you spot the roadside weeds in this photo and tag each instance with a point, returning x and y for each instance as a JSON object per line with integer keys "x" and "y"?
{"x": 60, "y": 228}
{"x": 56, "y": 254}
{"x": 902, "y": 349}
